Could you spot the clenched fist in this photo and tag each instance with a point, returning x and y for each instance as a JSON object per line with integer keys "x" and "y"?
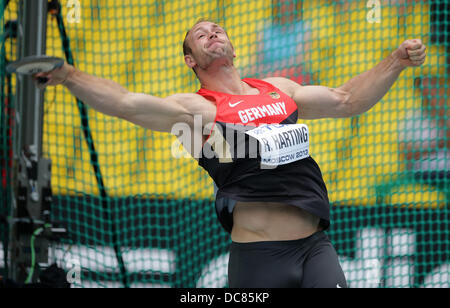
{"x": 411, "y": 53}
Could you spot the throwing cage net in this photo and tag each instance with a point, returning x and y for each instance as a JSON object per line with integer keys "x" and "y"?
{"x": 138, "y": 215}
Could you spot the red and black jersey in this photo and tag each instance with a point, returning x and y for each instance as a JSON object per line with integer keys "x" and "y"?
{"x": 256, "y": 151}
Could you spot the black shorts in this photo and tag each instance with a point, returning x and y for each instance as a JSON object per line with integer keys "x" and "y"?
{"x": 310, "y": 262}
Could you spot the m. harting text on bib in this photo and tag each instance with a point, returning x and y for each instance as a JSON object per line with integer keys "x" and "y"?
{"x": 282, "y": 144}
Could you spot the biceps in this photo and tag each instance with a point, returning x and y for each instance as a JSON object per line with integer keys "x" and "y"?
{"x": 154, "y": 113}
{"x": 315, "y": 102}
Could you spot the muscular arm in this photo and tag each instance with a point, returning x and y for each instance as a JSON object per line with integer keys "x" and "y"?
{"x": 110, "y": 98}
{"x": 365, "y": 90}
{"x": 360, "y": 93}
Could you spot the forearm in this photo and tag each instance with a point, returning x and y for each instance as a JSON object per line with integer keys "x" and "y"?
{"x": 105, "y": 96}
{"x": 366, "y": 89}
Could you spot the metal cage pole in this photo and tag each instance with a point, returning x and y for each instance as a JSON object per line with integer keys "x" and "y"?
{"x": 32, "y": 172}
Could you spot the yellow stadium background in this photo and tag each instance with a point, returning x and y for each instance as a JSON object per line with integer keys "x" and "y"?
{"x": 137, "y": 43}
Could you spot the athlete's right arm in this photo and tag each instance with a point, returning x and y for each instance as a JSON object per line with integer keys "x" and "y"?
{"x": 110, "y": 98}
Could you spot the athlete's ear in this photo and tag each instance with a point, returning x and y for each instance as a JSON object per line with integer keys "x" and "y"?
{"x": 189, "y": 60}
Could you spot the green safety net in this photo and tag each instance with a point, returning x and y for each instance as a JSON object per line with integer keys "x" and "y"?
{"x": 387, "y": 170}
{"x": 6, "y": 123}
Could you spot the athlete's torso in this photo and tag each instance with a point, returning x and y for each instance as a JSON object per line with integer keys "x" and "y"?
{"x": 235, "y": 164}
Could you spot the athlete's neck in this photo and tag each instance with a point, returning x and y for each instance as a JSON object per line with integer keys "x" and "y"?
{"x": 225, "y": 79}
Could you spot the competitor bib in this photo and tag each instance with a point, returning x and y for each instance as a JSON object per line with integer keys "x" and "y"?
{"x": 281, "y": 144}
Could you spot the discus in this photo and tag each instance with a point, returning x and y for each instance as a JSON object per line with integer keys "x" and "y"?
{"x": 35, "y": 64}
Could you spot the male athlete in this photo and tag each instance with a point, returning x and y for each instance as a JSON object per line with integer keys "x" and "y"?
{"x": 273, "y": 201}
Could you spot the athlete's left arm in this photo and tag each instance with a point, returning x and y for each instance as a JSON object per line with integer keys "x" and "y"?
{"x": 360, "y": 93}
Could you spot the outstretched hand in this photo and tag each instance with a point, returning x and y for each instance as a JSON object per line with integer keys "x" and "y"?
{"x": 411, "y": 53}
{"x": 52, "y": 78}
